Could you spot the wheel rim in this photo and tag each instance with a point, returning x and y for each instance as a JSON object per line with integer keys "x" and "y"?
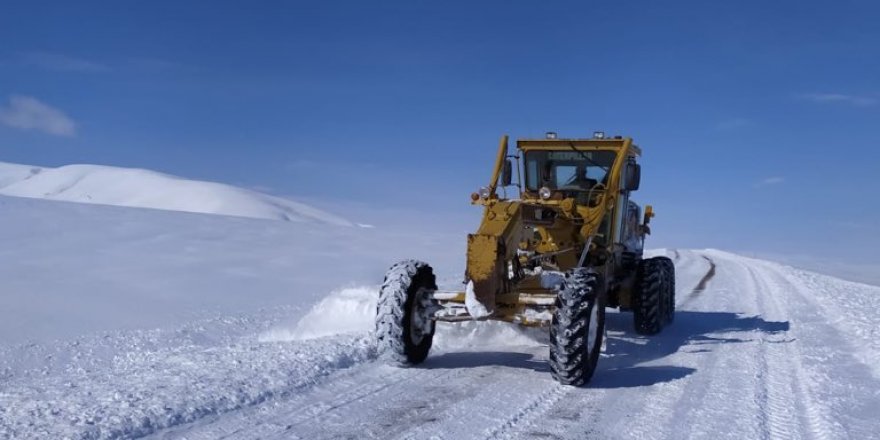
{"x": 418, "y": 322}
{"x": 593, "y": 328}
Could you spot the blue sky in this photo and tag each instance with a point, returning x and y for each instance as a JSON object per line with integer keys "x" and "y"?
{"x": 758, "y": 119}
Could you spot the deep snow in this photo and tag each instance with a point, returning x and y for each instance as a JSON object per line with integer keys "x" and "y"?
{"x": 71, "y": 269}
{"x": 120, "y": 322}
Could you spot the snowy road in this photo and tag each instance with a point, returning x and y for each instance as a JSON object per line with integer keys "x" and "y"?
{"x": 758, "y": 350}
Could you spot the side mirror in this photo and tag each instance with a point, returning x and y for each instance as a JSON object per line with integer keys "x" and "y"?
{"x": 507, "y": 173}
{"x": 633, "y": 176}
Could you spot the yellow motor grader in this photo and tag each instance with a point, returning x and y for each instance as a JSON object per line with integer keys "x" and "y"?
{"x": 556, "y": 256}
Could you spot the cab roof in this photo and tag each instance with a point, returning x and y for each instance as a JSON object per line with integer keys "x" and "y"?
{"x": 615, "y": 143}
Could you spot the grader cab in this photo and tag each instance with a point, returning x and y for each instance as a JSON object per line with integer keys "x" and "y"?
{"x": 568, "y": 246}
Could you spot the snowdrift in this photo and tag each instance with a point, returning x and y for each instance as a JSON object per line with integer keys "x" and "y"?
{"x": 68, "y": 269}
{"x": 140, "y": 188}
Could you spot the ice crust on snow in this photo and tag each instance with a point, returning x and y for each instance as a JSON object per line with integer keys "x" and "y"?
{"x": 140, "y": 188}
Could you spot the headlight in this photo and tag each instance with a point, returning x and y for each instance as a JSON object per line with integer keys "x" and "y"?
{"x": 545, "y": 192}
{"x": 484, "y": 193}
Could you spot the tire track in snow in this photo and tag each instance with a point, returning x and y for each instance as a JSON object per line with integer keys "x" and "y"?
{"x": 396, "y": 403}
{"x": 850, "y": 308}
{"x": 701, "y": 286}
{"x": 305, "y": 415}
{"x": 500, "y": 397}
{"x": 819, "y": 388}
{"x": 389, "y": 407}
{"x": 703, "y": 283}
{"x": 340, "y": 393}
{"x": 539, "y": 405}
{"x": 777, "y": 379}
{"x": 720, "y": 396}
{"x": 605, "y": 408}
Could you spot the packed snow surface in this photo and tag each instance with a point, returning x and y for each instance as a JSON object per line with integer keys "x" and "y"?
{"x": 139, "y": 188}
{"x": 757, "y": 349}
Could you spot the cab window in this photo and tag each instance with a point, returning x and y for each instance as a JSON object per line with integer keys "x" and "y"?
{"x": 567, "y": 170}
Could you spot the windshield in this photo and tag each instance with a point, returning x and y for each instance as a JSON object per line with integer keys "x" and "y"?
{"x": 567, "y": 170}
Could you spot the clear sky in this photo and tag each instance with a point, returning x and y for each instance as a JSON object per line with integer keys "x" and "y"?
{"x": 759, "y": 119}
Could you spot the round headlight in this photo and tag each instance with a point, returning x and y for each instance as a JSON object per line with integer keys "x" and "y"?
{"x": 484, "y": 193}
{"x": 545, "y": 192}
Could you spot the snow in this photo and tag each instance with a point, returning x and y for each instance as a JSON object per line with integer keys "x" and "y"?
{"x": 71, "y": 269}
{"x": 127, "y": 323}
{"x": 351, "y": 310}
{"x": 140, "y": 188}
{"x": 346, "y": 310}
{"x": 147, "y": 390}
{"x": 474, "y": 307}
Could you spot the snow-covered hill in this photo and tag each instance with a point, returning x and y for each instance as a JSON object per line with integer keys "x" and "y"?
{"x": 137, "y": 323}
{"x": 148, "y": 189}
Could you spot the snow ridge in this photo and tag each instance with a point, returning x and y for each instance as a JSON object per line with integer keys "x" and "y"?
{"x": 144, "y": 391}
{"x": 141, "y": 188}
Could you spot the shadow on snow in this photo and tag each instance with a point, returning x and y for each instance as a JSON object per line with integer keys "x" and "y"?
{"x": 620, "y": 365}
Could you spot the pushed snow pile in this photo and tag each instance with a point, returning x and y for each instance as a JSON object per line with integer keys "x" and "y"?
{"x": 348, "y": 310}
{"x": 140, "y": 188}
{"x": 352, "y": 310}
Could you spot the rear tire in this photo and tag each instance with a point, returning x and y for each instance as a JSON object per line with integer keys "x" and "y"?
{"x": 404, "y": 328}
{"x": 669, "y": 275}
{"x": 652, "y": 297}
{"x": 577, "y": 328}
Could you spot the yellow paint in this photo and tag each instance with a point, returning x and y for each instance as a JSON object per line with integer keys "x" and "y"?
{"x": 515, "y": 232}
{"x": 499, "y": 164}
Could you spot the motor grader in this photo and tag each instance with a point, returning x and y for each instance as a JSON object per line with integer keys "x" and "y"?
{"x": 568, "y": 246}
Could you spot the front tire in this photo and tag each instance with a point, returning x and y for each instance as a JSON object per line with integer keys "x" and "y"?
{"x": 404, "y": 328}
{"x": 577, "y": 328}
